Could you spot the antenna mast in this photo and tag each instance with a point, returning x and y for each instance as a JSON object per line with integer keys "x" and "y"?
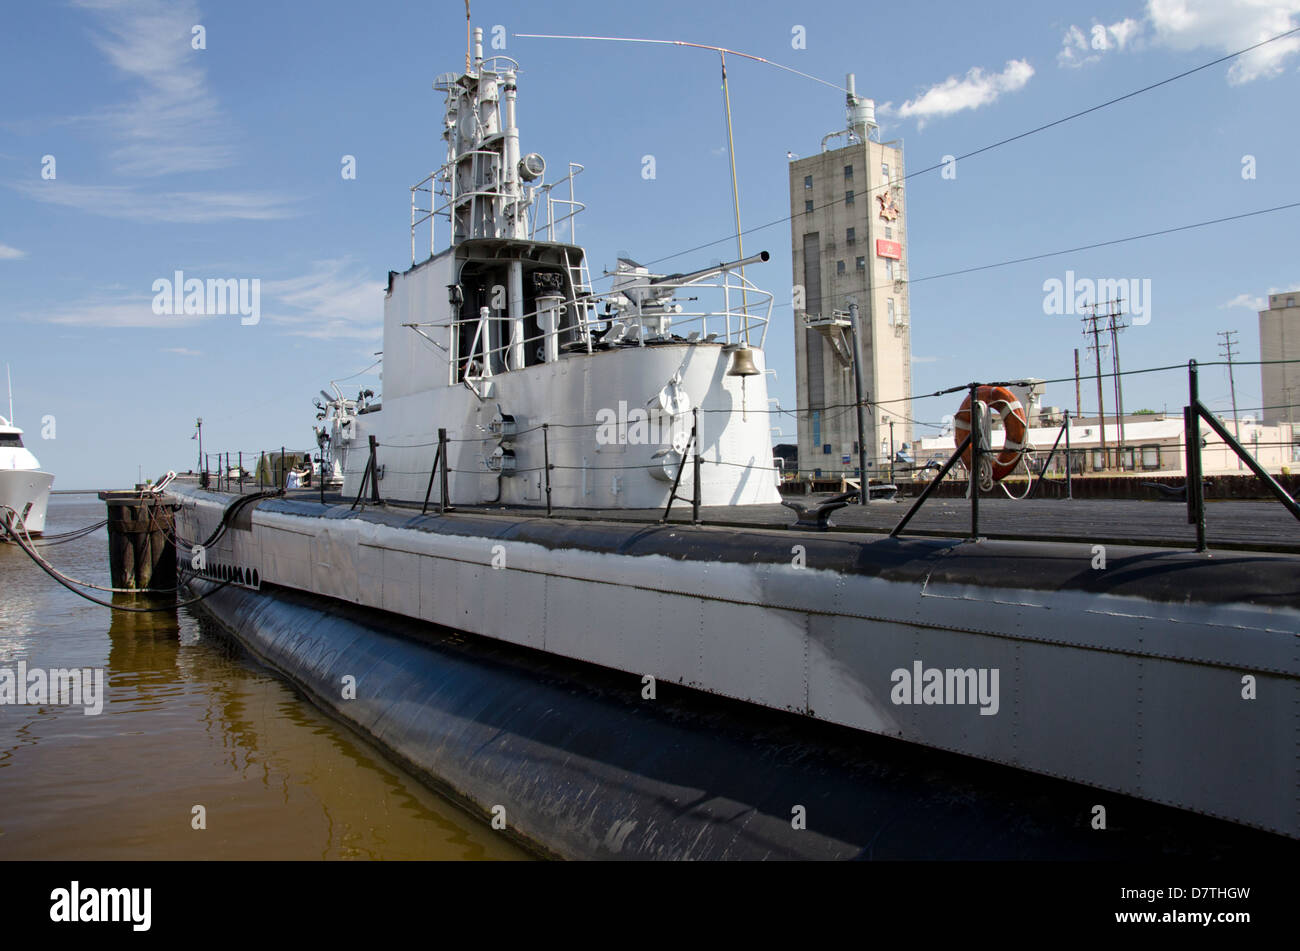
{"x": 469, "y": 41}
{"x": 735, "y": 187}
{"x": 10, "y": 381}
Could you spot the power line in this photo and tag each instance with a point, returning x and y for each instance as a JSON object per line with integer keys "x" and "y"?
{"x": 1000, "y": 143}
{"x": 1106, "y": 244}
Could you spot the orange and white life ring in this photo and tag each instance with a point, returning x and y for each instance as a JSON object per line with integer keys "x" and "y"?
{"x": 1014, "y": 424}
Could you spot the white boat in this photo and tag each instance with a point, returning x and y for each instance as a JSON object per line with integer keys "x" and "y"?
{"x": 24, "y": 488}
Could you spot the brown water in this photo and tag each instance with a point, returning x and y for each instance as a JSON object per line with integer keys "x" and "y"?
{"x": 189, "y": 719}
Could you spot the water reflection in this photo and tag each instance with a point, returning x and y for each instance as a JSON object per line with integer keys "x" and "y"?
{"x": 189, "y": 720}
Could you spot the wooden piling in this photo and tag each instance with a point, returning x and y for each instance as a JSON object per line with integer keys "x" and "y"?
{"x": 141, "y": 553}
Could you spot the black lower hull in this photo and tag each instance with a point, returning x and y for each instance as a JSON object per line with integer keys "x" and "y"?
{"x": 587, "y": 769}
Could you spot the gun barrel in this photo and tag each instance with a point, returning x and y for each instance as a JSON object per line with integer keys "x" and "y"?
{"x": 692, "y": 276}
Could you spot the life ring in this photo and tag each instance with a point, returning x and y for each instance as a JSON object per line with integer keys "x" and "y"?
{"x": 1014, "y": 424}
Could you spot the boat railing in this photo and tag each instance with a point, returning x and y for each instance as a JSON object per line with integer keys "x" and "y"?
{"x": 545, "y": 204}
{"x": 437, "y": 196}
{"x": 743, "y": 318}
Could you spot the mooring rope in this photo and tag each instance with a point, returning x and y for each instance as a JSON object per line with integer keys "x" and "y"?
{"x": 69, "y": 583}
{"x": 68, "y": 536}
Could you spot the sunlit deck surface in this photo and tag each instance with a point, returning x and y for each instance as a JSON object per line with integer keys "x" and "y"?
{"x": 1230, "y": 525}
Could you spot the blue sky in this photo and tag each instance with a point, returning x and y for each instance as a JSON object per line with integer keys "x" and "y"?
{"x": 225, "y": 162}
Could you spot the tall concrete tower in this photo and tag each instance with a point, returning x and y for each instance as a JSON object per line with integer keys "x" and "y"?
{"x": 848, "y": 235}
{"x": 1279, "y": 339}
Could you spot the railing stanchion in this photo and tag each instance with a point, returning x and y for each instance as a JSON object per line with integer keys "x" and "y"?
{"x": 934, "y": 484}
{"x": 1069, "y": 461}
{"x": 1201, "y": 411}
{"x": 1192, "y": 434}
{"x": 365, "y": 478}
{"x": 976, "y": 443}
{"x": 695, "y": 433}
{"x": 443, "y": 505}
{"x": 546, "y": 461}
{"x": 1048, "y": 462}
{"x": 437, "y": 457}
{"x": 374, "y": 471}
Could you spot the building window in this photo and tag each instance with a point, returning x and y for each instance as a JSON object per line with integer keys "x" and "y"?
{"x": 807, "y": 181}
{"x": 889, "y": 233}
{"x": 889, "y": 268}
{"x": 851, "y": 236}
{"x": 861, "y": 264}
{"x": 1290, "y": 302}
{"x": 808, "y": 207}
{"x": 889, "y": 308}
{"x": 1151, "y": 456}
{"x": 848, "y": 198}
{"x": 848, "y": 173}
{"x": 826, "y": 449}
{"x": 839, "y": 267}
{"x": 884, "y": 171}
{"x": 817, "y": 426}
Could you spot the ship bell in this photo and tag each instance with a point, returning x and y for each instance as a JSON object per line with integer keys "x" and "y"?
{"x": 742, "y": 363}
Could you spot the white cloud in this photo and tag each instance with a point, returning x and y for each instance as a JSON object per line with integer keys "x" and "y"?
{"x": 121, "y": 313}
{"x": 1124, "y": 33}
{"x": 1080, "y": 49}
{"x": 335, "y": 300}
{"x": 183, "y": 351}
{"x": 1219, "y": 26}
{"x": 1248, "y": 301}
{"x": 174, "y": 123}
{"x": 136, "y": 204}
{"x": 10, "y": 254}
{"x": 1253, "y": 302}
{"x": 972, "y": 91}
{"x": 1226, "y": 27}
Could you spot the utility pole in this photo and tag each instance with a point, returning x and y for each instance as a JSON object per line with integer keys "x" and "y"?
{"x": 1226, "y": 350}
{"x": 1078, "y": 395}
{"x": 865, "y": 492}
{"x": 1115, "y": 325}
{"x": 199, "y": 423}
{"x": 1101, "y": 399}
{"x": 1227, "y": 345}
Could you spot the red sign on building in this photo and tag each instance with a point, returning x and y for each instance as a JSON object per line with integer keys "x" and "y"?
{"x": 889, "y": 249}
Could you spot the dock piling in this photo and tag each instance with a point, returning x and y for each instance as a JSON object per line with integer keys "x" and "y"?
{"x": 141, "y": 552}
